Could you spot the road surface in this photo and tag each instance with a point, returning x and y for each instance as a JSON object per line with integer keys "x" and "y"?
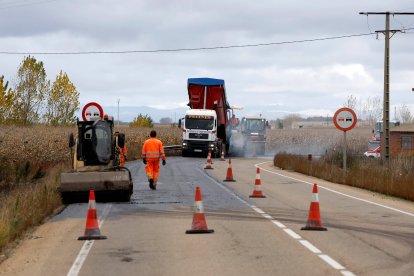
{"x": 368, "y": 234}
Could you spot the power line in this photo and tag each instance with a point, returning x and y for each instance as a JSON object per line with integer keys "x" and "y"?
{"x": 23, "y": 4}
{"x": 187, "y": 49}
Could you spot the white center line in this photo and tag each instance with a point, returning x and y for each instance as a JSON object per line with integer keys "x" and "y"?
{"x": 331, "y": 262}
{"x": 290, "y": 232}
{"x": 310, "y": 246}
{"x": 278, "y": 224}
{"x": 293, "y": 234}
{"x": 87, "y": 246}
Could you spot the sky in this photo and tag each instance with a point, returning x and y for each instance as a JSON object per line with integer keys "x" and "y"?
{"x": 309, "y": 78}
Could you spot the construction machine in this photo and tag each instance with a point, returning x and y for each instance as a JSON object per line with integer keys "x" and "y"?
{"x": 250, "y": 137}
{"x": 95, "y": 164}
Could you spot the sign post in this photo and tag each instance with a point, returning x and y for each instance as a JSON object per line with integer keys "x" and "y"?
{"x": 344, "y": 119}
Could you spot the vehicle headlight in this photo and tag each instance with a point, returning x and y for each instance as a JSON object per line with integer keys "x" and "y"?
{"x": 184, "y": 145}
{"x": 211, "y": 145}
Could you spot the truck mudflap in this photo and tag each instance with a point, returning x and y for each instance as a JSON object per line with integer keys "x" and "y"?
{"x": 108, "y": 186}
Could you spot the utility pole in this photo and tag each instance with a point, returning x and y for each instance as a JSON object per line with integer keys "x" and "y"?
{"x": 385, "y": 139}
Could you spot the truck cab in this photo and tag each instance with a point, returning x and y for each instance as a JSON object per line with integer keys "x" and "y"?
{"x": 200, "y": 132}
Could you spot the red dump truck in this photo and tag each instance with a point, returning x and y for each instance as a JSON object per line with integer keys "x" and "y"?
{"x": 206, "y": 125}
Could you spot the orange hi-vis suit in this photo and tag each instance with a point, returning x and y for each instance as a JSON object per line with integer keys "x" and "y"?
{"x": 152, "y": 151}
{"x": 122, "y": 156}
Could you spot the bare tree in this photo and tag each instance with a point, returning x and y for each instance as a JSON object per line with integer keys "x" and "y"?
{"x": 351, "y": 102}
{"x": 372, "y": 110}
{"x": 290, "y": 119}
{"x": 405, "y": 114}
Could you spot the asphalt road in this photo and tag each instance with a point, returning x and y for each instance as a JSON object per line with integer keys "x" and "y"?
{"x": 368, "y": 234}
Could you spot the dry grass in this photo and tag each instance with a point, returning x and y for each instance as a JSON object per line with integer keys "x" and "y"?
{"x": 26, "y": 206}
{"x": 135, "y": 138}
{"x": 291, "y": 146}
{"x": 314, "y": 141}
{"x": 397, "y": 179}
{"x": 31, "y": 159}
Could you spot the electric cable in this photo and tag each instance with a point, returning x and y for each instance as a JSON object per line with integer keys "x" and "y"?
{"x": 187, "y": 49}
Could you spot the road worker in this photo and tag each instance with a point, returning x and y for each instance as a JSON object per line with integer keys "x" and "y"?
{"x": 122, "y": 152}
{"x": 123, "y": 156}
{"x": 152, "y": 151}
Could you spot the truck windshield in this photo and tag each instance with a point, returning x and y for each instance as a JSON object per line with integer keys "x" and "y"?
{"x": 255, "y": 125}
{"x": 102, "y": 142}
{"x": 199, "y": 123}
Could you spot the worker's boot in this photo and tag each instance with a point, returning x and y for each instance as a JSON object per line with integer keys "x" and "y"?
{"x": 151, "y": 184}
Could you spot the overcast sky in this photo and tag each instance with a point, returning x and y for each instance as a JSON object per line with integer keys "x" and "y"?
{"x": 312, "y": 78}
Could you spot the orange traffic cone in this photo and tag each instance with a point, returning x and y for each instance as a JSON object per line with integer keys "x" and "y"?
{"x": 222, "y": 155}
{"x": 209, "y": 162}
{"x": 229, "y": 176}
{"x": 257, "y": 192}
{"x": 92, "y": 231}
{"x": 314, "y": 218}
{"x": 199, "y": 225}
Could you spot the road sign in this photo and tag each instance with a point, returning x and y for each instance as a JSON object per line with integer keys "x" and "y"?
{"x": 345, "y": 119}
{"x": 92, "y": 112}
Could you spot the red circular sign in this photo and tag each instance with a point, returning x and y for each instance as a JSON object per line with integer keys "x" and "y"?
{"x": 345, "y": 119}
{"x": 92, "y": 111}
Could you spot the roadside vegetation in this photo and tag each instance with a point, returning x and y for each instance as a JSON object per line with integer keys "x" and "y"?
{"x": 31, "y": 160}
{"x": 395, "y": 179}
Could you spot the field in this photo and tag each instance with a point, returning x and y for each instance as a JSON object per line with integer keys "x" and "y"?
{"x": 316, "y": 141}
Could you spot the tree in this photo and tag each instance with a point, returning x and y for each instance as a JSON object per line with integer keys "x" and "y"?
{"x": 405, "y": 114}
{"x": 351, "y": 102}
{"x": 6, "y": 101}
{"x": 142, "y": 121}
{"x": 62, "y": 101}
{"x": 165, "y": 121}
{"x": 30, "y": 90}
{"x": 373, "y": 109}
{"x": 290, "y": 119}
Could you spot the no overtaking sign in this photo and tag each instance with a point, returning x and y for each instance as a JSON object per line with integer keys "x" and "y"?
{"x": 345, "y": 119}
{"x": 92, "y": 111}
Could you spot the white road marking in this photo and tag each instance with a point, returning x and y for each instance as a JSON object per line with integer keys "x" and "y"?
{"x": 87, "y": 246}
{"x": 336, "y": 192}
{"x": 290, "y": 232}
{"x": 267, "y": 216}
{"x": 331, "y": 262}
{"x": 260, "y": 211}
{"x": 310, "y": 246}
{"x": 278, "y": 224}
{"x": 293, "y": 234}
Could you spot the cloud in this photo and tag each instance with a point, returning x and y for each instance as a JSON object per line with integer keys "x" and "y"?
{"x": 315, "y": 77}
